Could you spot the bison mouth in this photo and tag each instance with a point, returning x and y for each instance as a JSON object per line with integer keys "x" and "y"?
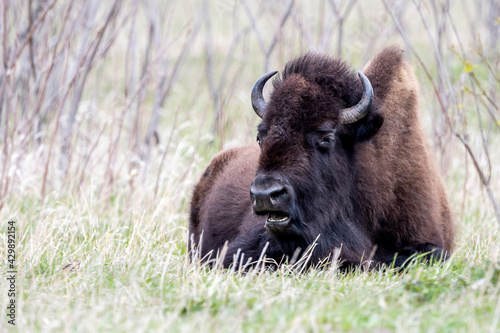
{"x": 277, "y": 221}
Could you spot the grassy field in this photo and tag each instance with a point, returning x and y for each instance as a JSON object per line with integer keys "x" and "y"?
{"x": 110, "y": 111}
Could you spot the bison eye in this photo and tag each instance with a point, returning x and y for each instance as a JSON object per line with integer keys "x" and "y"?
{"x": 259, "y": 141}
{"x": 326, "y": 142}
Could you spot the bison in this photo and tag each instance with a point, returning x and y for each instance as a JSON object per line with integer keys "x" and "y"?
{"x": 340, "y": 161}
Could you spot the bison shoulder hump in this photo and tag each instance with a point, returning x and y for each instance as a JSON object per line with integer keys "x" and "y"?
{"x": 389, "y": 73}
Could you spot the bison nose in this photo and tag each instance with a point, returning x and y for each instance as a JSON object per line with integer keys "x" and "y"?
{"x": 268, "y": 196}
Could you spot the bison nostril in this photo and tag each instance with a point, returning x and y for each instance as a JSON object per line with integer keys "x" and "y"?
{"x": 278, "y": 193}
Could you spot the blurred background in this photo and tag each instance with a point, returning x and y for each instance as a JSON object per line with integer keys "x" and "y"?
{"x": 125, "y": 102}
{"x": 111, "y": 110}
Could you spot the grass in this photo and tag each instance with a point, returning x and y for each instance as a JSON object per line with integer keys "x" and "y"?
{"x": 104, "y": 246}
{"x": 132, "y": 274}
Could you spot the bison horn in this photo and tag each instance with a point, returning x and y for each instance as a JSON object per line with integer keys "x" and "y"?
{"x": 258, "y": 102}
{"x": 360, "y": 110}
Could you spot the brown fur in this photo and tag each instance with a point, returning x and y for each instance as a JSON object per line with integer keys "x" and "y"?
{"x": 377, "y": 189}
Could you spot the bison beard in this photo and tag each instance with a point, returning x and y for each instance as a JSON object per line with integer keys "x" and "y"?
{"x": 340, "y": 160}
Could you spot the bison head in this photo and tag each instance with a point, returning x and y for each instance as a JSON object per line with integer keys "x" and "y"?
{"x": 305, "y": 183}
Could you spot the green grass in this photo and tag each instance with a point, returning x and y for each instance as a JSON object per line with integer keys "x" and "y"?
{"x": 132, "y": 273}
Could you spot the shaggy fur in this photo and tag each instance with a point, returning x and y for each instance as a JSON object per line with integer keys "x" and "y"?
{"x": 374, "y": 193}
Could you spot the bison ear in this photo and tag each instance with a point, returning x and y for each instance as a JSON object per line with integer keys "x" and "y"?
{"x": 369, "y": 126}
{"x": 363, "y": 129}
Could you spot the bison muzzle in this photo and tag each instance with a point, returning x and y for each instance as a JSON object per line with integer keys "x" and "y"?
{"x": 341, "y": 163}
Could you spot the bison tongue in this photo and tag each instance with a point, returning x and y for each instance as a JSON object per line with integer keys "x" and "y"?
{"x": 277, "y": 217}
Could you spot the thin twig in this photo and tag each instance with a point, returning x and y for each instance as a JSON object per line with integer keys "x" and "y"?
{"x": 164, "y": 155}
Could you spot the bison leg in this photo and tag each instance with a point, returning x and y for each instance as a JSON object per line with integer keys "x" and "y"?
{"x": 247, "y": 251}
{"x": 427, "y": 252}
